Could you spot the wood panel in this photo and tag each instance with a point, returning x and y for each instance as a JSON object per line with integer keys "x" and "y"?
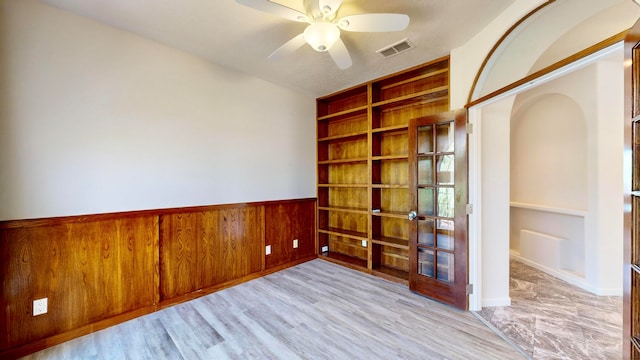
{"x": 202, "y": 249}
{"x": 88, "y": 271}
{"x": 284, "y": 223}
{"x": 99, "y": 270}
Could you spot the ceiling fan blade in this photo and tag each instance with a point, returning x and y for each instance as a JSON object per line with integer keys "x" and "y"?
{"x": 275, "y": 9}
{"x": 340, "y": 55}
{"x": 374, "y": 22}
{"x": 329, "y": 7}
{"x": 288, "y": 47}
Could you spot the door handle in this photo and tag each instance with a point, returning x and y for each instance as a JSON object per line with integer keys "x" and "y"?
{"x": 412, "y": 215}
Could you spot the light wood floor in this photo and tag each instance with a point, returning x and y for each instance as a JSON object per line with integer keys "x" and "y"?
{"x": 316, "y": 310}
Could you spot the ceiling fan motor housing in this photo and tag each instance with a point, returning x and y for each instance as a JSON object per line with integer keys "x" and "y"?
{"x": 321, "y": 35}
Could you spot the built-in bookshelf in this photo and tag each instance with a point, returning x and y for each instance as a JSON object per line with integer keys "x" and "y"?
{"x": 363, "y": 169}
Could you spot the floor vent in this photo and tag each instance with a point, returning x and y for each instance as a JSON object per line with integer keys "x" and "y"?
{"x": 395, "y": 49}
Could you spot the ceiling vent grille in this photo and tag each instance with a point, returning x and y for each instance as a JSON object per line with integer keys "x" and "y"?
{"x": 395, "y": 49}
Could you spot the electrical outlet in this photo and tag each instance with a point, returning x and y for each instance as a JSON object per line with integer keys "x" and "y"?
{"x": 295, "y": 243}
{"x": 364, "y": 243}
{"x": 325, "y": 249}
{"x": 40, "y": 306}
{"x": 267, "y": 250}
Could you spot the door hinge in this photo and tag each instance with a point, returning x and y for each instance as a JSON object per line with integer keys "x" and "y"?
{"x": 469, "y": 128}
{"x": 469, "y": 209}
{"x": 469, "y": 289}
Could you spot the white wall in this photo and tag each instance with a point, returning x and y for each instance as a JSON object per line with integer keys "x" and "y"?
{"x": 466, "y": 60}
{"x": 566, "y": 159}
{"x": 549, "y": 150}
{"x": 494, "y": 208}
{"x": 525, "y": 50}
{"x": 608, "y": 203}
{"x": 94, "y": 120}
{"x": 549, "y": 173}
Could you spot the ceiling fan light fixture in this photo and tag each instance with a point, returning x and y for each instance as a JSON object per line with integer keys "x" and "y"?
{"x": 321, "y": 35}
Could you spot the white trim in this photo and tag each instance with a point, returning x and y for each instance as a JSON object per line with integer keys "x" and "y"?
{"x": 549, "y": 209}
{"x": 587, "y": 60}
{"x": 568, "y": 277}
{"x": 475, "y": 196}
{"x": 496, "y": 302}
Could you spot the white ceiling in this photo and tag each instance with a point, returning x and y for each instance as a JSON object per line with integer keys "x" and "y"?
{"x": 241, "y": 38}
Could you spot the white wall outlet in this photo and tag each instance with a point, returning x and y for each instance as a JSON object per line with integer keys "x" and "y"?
{"x": 295, "y": 243}
{"x": 325, "y": 249}
{"x": 267, "y": 250}
{"x": 40, "y": 306}
{"x": 364, "y": 243}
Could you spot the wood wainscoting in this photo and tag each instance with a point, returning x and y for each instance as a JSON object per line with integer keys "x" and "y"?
{"x": 100, "y": 270}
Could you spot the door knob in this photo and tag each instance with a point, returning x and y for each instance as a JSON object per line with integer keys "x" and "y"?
{"x": 412, "y": 215}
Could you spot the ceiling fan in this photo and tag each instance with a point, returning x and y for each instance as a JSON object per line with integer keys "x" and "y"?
{"x": 323, "y": 31}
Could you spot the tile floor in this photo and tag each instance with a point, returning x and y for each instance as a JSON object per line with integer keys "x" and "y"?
{"x": 551, "y": 319}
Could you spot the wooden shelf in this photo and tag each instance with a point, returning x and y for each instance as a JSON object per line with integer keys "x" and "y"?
{"x": 342, "y": 161}
{"x": 344, "y": 136}
{"x": 390, "y": 157}
{"x": 391, "y": 241}
{"x": 343, "y": 259}
{"x": 345, "y": 233}
{"x": 419, "y": 97}
{"x": 391, "y": 129}
{"x": 352, "y": 210}
{"x": 390, "y": 186}
{"x": 355, "y": 186}
{"x": 392, "y": 274}
{"x": 395, "y": 214}
{"x": 415, "y": 78}
{"x": 344, "y": 113}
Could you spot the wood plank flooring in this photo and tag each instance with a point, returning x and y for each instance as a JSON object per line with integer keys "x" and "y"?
{"x": 316, "y": 310}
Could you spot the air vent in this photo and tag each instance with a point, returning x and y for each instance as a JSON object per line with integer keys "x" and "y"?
{"x": 395, "y": 49}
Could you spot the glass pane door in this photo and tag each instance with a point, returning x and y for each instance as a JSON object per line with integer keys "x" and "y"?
{"x": 438, "y": 161}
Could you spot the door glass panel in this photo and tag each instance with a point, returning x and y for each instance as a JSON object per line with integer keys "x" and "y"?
{"x": 444, "y": 140}
{"x": 445, "y": 267}
{"x": 426, "y": 205}
{"x": 425, "y": 140}
{"x": 445, "y": 202}
{"x": 436, "y": 184}
{"x": 425, "y": 170}
{"x": 425, "y": 262}
{"x": 445, "y": 166}
{"x": 444, "y": 234}
{"x": 425, "y": 232}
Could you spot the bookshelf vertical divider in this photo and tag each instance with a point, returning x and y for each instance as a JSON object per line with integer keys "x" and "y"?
{"x": 362, "y": 181}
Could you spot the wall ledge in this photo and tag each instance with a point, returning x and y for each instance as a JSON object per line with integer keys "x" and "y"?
{"x": 549, "y": 209}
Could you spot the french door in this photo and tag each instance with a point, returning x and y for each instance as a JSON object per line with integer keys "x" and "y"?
{"x": 631, "y": 309}
{"x": 438, "y": 257}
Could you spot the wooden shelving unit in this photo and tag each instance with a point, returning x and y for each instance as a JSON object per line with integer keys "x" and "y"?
{"x": 363, "y": 169}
